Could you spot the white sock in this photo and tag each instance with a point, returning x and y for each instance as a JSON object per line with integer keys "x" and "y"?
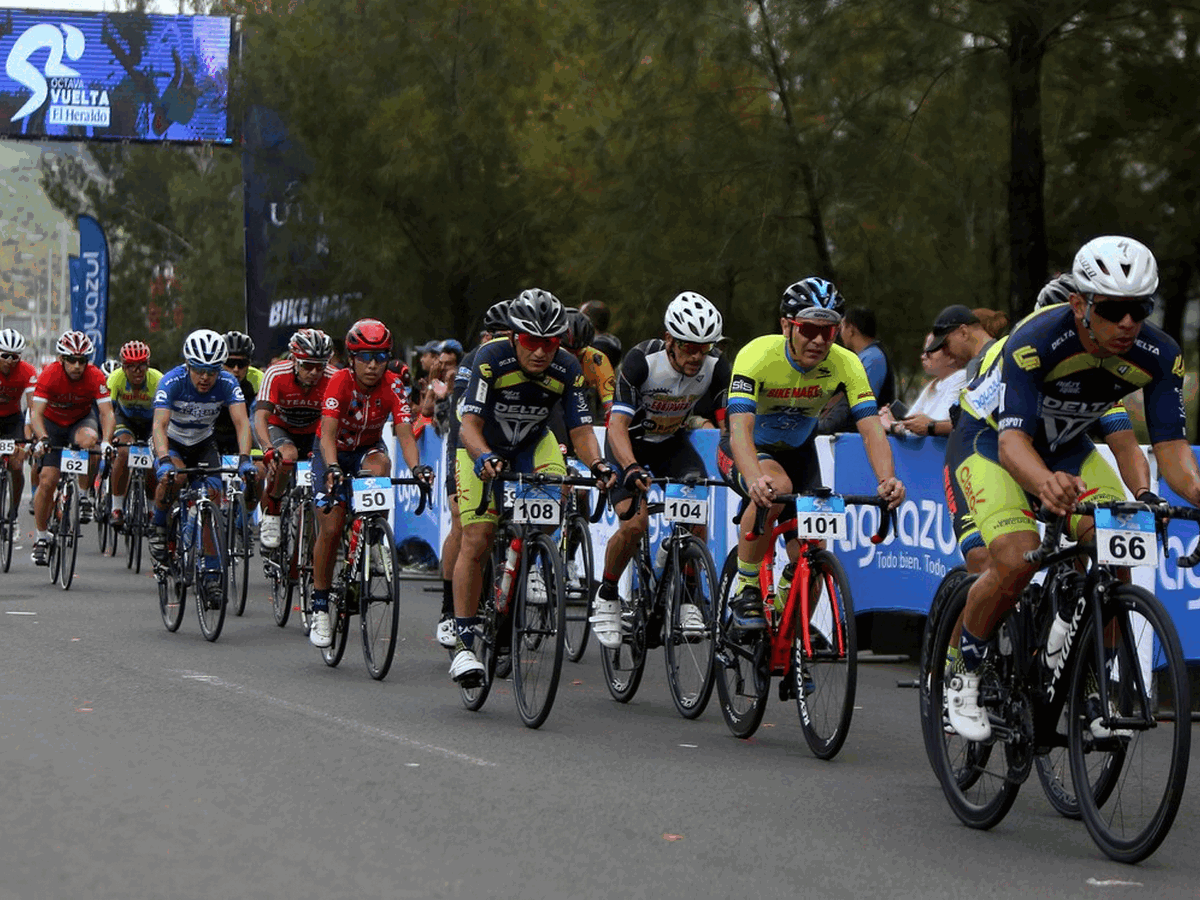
{"x": 118, "y": 503}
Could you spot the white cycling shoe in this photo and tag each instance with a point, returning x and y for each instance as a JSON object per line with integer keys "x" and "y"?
{"x": 967, "y": 717}
{"x": 606, "y": 622}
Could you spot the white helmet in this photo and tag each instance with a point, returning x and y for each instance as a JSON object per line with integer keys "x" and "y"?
{"x": 690, "y": 317}
{"x": 205, "y": 348}
{"x": 1115, "y": 266}
{"x": 11, "y": 341}
{"x": 1057, "y": 290}
{"x": 109, "y": 366}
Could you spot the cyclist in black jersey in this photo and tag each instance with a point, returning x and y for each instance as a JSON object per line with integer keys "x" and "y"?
{"x": 660, "y": 385}
{"x": 1060, "y": 371}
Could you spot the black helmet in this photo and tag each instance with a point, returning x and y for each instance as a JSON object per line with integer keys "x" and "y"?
{"x": 496, "y": 317}
{"x": 239, "y": 344}
{"x": 538, "y": 313}
{"x": 812, "y": 298}
{"x": 580, "y": 331}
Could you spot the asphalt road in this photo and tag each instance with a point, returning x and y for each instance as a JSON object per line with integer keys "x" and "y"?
{"x": 135, "y": 763}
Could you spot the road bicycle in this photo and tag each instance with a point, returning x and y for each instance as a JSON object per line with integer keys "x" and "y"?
{"x": 239, "y": 544}
{"x": 522, "y": 607}
{"x": 810, "y": 641}
{"x": 195, "y": 555}
{"x": 65, "y": 532}
{"x": 365, "y": 582}
{"x": 579, "y": 571}
{"x": 8, "y": 509}
{"x": 136, "y": 522}
{"x": 288, "y": 567}
{"x": 672, "y": 601}
{"x": 1117, "y": 698}
{"x": 102, "y": 490}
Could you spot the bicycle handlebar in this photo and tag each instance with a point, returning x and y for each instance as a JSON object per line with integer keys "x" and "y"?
{"x": 1163, "y": 512}
{"x": 535, "y": 478}
{"x": 692, "y": 480}
{"x": 885, "y": 521}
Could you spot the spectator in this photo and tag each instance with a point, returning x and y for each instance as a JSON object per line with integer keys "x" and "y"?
{"x": 930, "y": 414}
{"x": 994, "y": 322}
{"x": 606, "y": 343}
{"x": 858, "y": 334}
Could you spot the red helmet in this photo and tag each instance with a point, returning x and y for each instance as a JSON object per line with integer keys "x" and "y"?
{"x": 135, "y": 352}
{"x": 368, "y": 334}
{"x": 74, "y": 343}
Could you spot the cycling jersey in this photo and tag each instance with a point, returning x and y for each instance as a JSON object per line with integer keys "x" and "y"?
{"x": 515, "y": 407}
{"x": 361, "y": 414}
{"x": 658, "y": 399}
{"x": 15, "y": 385}
{"x": 69, "y": 401}
{"x": 787, "y": 400}
{"x": 295, "y": 408}
{"x": 134, "y": 403}
{"x": 223, "y": 427}
{"x": 193, "y": 413}
{"x": 598, "y": 376}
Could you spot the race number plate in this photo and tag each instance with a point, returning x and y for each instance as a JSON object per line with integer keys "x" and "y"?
{"x": 686, "y": 504}
{"x": 74, "y": 462}
{"x": 1126, "y": 539}
{"x": 229, "y": 461}
{"x": 371, "y": 495}
{"x": 820, "y": 518}
{"x": 304, "y": 473}
{"x": 8, "y": 447}
{"x": 532, "y": 506}
{"x": 140, "y": 457}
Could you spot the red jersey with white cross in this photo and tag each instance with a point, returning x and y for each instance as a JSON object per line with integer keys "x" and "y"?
{"x": 22, "y": 378}
{"x": 361, "y": 414}
{"x": 297, "y": 409}
{"x": 69, "y": 401}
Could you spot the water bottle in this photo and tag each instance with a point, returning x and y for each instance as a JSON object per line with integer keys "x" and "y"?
{"x": 1058, "y": 637}
{"x": 511, "y": 558}
{"x": 660, "y": 558}
{"x": 785, "y": 585}
{"x": 352, "y": 547}
{"x": 189, "y": 529}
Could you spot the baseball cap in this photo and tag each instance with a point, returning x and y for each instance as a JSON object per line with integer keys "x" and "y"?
{"x": 430, "y": 347}
{"x": 450, "y": 346}
{"x": 948, "y": 320}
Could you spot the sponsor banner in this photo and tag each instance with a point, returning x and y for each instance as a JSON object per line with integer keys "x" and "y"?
{"x": 75, "y": 273}
{"x": 1178, "y": 588}
{"x": 118, "y": 76}
{"x": 91, "y": 314}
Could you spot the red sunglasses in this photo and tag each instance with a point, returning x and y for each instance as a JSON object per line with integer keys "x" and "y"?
{"x": 533, "y": 344}
{"x": 812, "y": 330}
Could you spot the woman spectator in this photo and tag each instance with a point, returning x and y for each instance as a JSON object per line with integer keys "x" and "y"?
{"x": 930, "y": 414}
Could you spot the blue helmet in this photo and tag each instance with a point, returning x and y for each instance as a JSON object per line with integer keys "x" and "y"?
{"x": 812, "y": 298}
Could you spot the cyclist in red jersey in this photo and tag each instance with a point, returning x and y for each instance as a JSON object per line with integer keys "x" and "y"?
{"x": 286, "y": 417}
{"x": 358, "y": 401}
{"x": 61, "y": 414}
{"x": 17, "y": 381}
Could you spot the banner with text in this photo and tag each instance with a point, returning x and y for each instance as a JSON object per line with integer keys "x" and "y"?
{"x": 1179, "y": 589}
{"x": 90, "y": 313}
{"x": 117, "y": 76}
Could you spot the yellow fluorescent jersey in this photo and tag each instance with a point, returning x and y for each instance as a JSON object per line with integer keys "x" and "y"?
{"x": 134, "y": 403}
{"x": 787, "y": 400}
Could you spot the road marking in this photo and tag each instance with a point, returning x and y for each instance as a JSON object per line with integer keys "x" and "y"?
{"x": 342, "y": 722}
{"x": 17, "y": 612}
{"x": 1112, "y": 882}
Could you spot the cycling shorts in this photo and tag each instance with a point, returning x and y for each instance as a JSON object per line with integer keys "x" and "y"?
{"x": 203, "y": 453}
{"x": 65, "y": 435}
{"x": 800, "y": 464}
{"x": 302, "y": 442}
{"x": 546, "y": 456}
{"x": 137, "y": 430}
{"x": 672, "y": 458}
{"x": 351, "y": 463}
{"x": 965, "y": 529}
{"x": 12, "y": 428}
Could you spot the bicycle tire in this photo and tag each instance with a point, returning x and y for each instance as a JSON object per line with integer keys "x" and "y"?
{"x": 689, "y": 656}
{"x": 69, "y": 535}
{"x": 580, "y": 584}
{"x": 740, "y": 668}
{"x": 237, "y": 554}
{"x": 280, "y": 564}
{"x": 172, "y": 586}
{"x": 135, "y": 522}
{"x": 379, "y": 598}
{"x": 103, "y": 512}
{"x": 486, "y": 636}
{"x": 625, "y": 664}
{"x": 945, "y": 590}
{"x": 538, "y": 637}
{"x": 974, "y": 779}
{"x": 7, "y": 527}
{"x": 339, "y": 621}
{"x": 1134, "y": 818}
{"x": 212, "y": 600}
{"x": 304, "y": 575}
{"x": 826, "y": 706}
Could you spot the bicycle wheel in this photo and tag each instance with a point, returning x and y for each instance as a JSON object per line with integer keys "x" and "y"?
{"x": 304, "y": 582}
{"x": 135, "y": 524}
{"x": 68, "y": 538}
{"x": 340, "y": 621}
{"x": 827, "y": 674}
{"x": 280, "y": 565}
{"x": 538, "y": 632}
{"x": 473, "y": 697}
{"x": 945, "y": 590}
{"x": 973, "y": 778}
{"x": 210, "y": 573}
{"x": 689, "y": 653}
{"x": 54, "y": 553}
{"x": 237, "y": 553}
{"x": 1147, "y": 687}
{"x": 7, "y": 527}
{"x": 1054, "y": 773}
{"x": 379, "y": 598}
{"x": 172, "y": 586}
{"x": 741, "y": 666}
{"x": 580, "y": 584}
{"x": 625, "y": 664}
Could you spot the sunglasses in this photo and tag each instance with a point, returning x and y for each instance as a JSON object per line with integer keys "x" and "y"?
{"x": 1117, "y": 310}
{"x": 312, "y": 366}
{"x": 136, "y": 366}
{"x": 205, "y": 371}
{"x": 812, "y": 330}
{"x": 691, "y": 348}
{"x": 370, "y": 356}
{"x": 237, "y": 363}
{"x": 76, "y": 360}
{"x": 534, "y": 344}
{"x": 10, "y": 355}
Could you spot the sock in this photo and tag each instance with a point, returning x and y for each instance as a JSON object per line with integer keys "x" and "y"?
{"x": 608, "y": 587}
{"x": 447, "y": 598}
{"x": 320, "y": 600}
{"x": 160, "y": 518}
{"x": 466, "y": 630}
{"x": 43, "y": 535}
{"x": 118, "y": 503}
{"x": 747, "y": 576}
{"x": 974, "y": 651}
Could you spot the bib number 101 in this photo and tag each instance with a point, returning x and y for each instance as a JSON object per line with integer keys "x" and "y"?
{"x": 820, "y": 518}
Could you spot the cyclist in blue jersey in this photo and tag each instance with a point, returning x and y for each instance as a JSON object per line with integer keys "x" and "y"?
{"x": 504, "y": 418}
{"x": 186, "y": 405}
{"x": 1059, "y": 373}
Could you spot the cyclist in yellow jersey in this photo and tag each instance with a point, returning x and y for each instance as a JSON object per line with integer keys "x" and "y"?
{"x": 132, "y": 387}
{"x": 779, "y": 385}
